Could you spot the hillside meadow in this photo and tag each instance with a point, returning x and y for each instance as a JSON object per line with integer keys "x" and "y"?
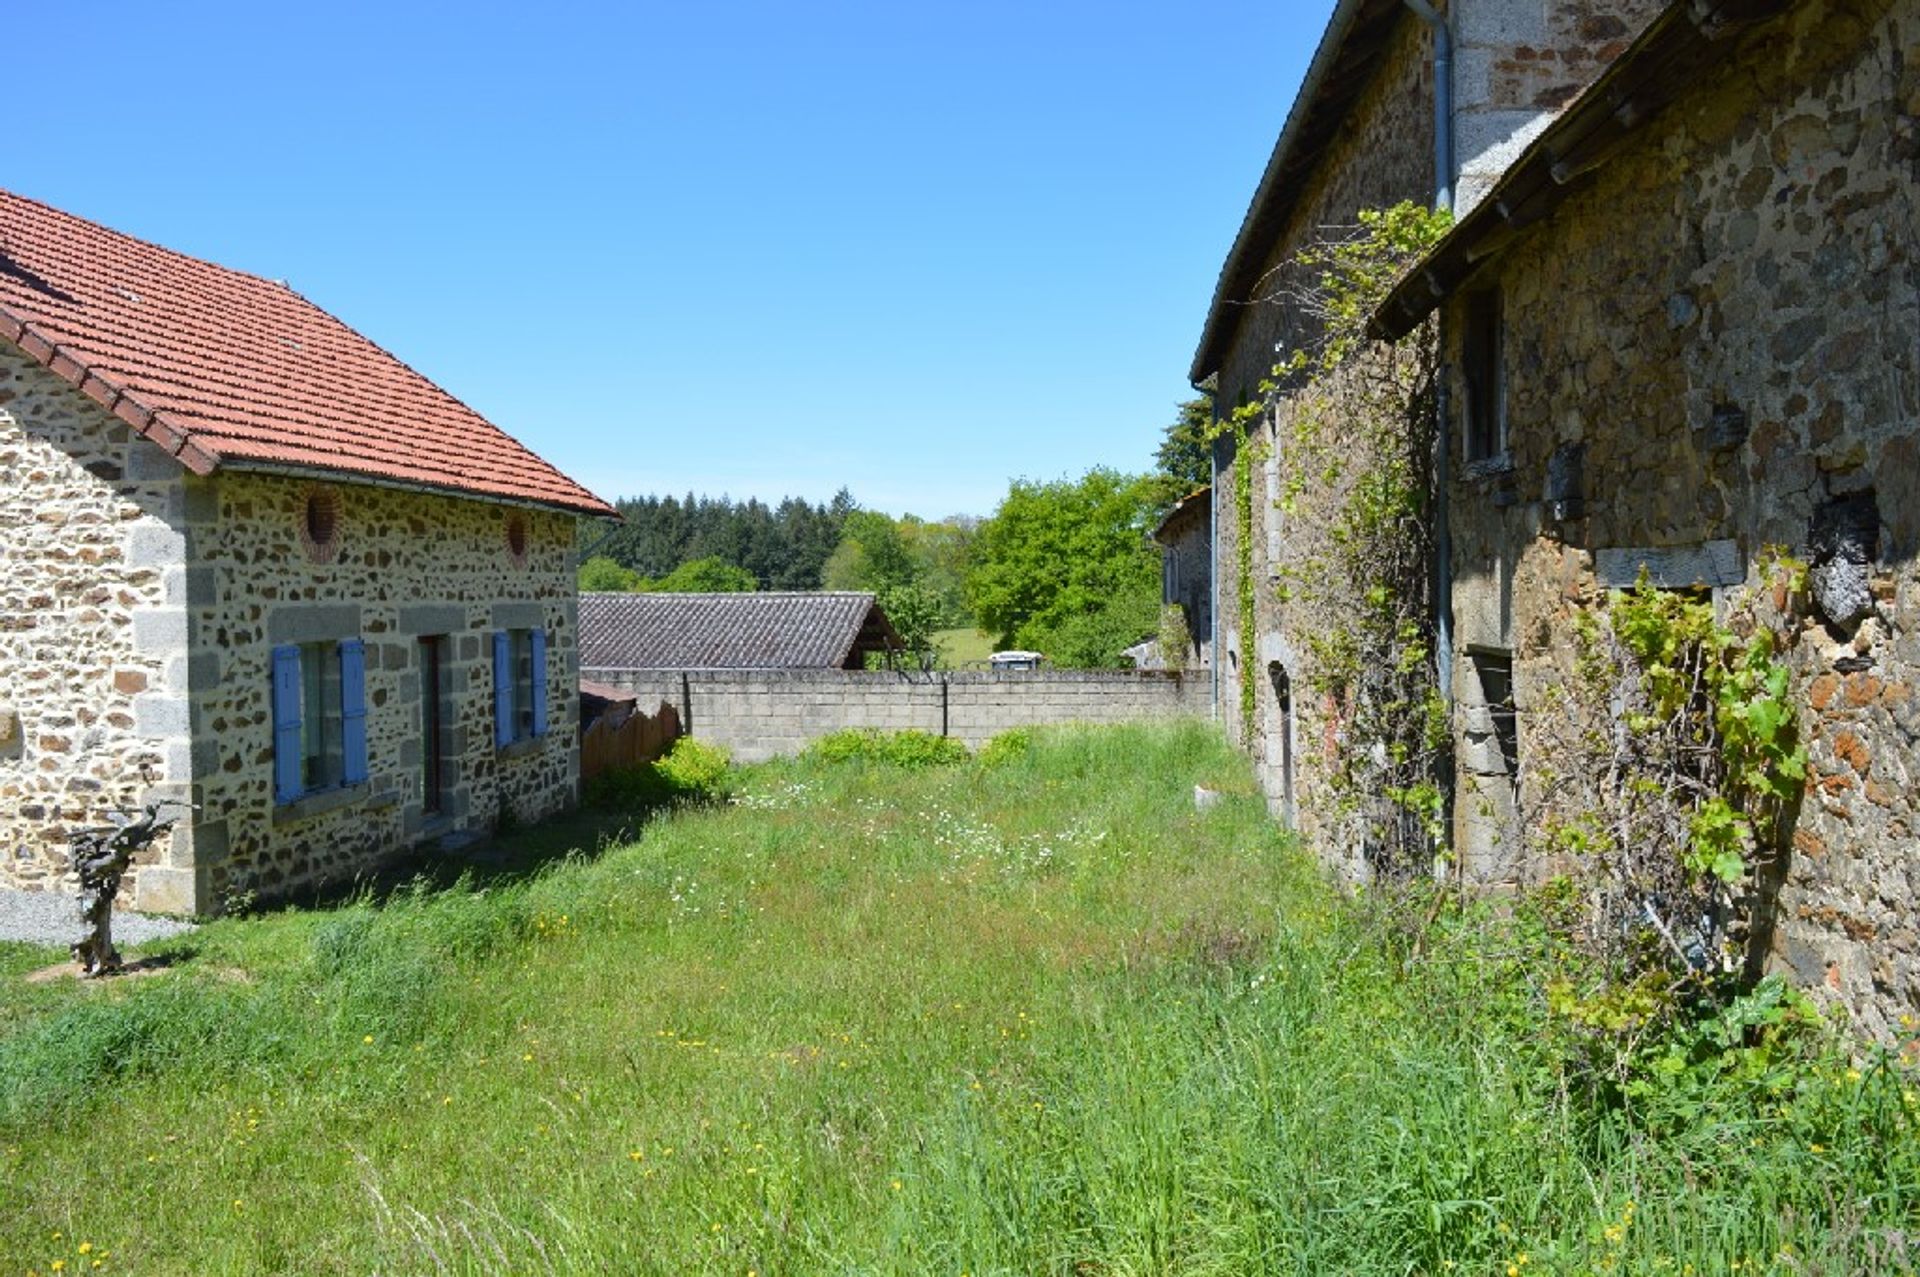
{"x": 1027, "y": 1013}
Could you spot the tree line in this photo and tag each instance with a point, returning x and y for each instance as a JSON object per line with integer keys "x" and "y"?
{"x": 1065, "y": 567}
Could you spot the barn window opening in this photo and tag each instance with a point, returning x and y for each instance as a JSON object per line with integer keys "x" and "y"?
{"x": 1483, "y": 365}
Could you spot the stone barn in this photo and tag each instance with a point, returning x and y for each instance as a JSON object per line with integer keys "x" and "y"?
{"x": 1402, "y": 102}
{"x": 252, "y": 562}
{"x": 1185, "y": 538}
{"x": 1681, "y": 337}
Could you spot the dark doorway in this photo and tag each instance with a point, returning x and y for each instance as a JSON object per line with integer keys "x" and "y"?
{"x": 1280, "y": 750}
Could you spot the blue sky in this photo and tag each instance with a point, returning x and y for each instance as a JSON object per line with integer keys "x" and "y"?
{"x": 731, "y": 247}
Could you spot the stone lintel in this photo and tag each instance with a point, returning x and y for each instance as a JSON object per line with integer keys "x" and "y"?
{"x": 313, "y": 622}
{"x": 1707, "y": 564}
{"x": 439, "y": 618}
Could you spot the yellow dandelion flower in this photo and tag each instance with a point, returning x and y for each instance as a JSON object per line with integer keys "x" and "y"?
{"x": 59, "y": 1265}
{"x": 86, "y": 1248}
{"x": 368, "y": 1039}
{"x": 896, "y": 1186}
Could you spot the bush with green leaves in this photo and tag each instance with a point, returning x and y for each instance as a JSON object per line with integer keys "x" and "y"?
{"x": 1010, "y": 746}
{"x": 693, "y": 770}
{"x": 696, "y": 768}
{"x": 910, "y": 749}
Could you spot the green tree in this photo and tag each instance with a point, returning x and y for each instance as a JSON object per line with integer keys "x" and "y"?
{"x": 1184, "y": 460}
{"x": 872, "y": 555}
{"x": 1066, "y": 569}
{"x": 944, "y": 552}
{"x": 915, "y": 612}
{"x": 601, "y": 573}
{"x": 711, "y": 575}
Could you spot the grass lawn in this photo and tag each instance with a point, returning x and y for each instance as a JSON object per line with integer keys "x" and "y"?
{"x": 1040, "y": 1017}
{"x": 958, "y": 648}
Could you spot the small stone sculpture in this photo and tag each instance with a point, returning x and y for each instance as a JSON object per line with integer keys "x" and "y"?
{"x": 101, "y": 856}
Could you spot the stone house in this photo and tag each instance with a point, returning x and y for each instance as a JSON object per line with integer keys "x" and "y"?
{"x": 1185, "y": 538}
{"x": 1746, "y": 181}
{"x": 251, "y": 561}
{"x": 1400, "y": 103}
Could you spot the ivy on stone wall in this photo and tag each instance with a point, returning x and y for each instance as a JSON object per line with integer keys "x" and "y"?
{"x": 1669, "y": 773}
{"x": 1354, "y": 428}
{"x": 1244, "y": 595}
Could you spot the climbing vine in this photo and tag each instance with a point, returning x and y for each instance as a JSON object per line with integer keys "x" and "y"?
{"x": 1353, "y": 433}
{"x": 1670, "y": 775}
{"x": 1244, "y": 595}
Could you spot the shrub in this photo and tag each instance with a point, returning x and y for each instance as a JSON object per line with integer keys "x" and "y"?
{"x": 692, "y": 770}
{"x": 909, "y": 749}
{"x": 1009, "y": 746}
{"x": 695, "y": 768}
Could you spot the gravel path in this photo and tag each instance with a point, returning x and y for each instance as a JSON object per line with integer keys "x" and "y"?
{"x": 42, "y": 917}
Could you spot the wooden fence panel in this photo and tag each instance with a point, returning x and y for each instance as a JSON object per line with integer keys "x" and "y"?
{"x": 641, "y": 738}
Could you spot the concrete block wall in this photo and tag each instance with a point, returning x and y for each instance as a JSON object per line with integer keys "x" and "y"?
{"x": 762, "y": 714}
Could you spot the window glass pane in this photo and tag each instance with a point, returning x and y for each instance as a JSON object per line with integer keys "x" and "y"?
{"x": 313, "y": 748}
{"x": 320, "y": 762}
{"x": 522, "y": 684}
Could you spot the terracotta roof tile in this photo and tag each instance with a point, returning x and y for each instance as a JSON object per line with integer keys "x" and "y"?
{"x": 223, "y": 368}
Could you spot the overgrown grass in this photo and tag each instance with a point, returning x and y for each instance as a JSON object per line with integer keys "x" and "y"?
{"x": 1035, "y": 1017}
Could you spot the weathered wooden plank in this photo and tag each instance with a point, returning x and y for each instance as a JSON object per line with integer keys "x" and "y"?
{"x": 1678, "y": 567}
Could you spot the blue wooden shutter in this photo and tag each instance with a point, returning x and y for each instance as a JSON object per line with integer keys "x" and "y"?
{"x": 353, "y": 711}
{"x": 539, "y": 638}
{"x": 502, "y": 688}
{"x": 286, "y": 723}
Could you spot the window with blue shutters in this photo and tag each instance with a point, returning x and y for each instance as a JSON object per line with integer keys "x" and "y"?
{"x": 319, "y": 717}
{"x": 519, "y": 685}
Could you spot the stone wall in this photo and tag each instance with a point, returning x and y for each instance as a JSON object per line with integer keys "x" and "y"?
{"x": 761, "y": 714}
{"x": 92, "y": 673}
{"x": 1186, "y": 576}
{"x": 408, "y": 565}
{"x": 1746, "y": 377}
{"x": 1516, "y": 63}
{"x": 1384, "y": 155}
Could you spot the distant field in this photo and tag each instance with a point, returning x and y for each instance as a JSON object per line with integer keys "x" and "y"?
{"x": 957, "y": 647}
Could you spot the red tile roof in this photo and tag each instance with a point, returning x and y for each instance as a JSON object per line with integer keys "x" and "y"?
{"x": 222, "y": 368}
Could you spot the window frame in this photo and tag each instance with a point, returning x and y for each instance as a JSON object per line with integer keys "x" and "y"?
{"x": 520, "y": 685}
{"x": 318, "y": 712}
